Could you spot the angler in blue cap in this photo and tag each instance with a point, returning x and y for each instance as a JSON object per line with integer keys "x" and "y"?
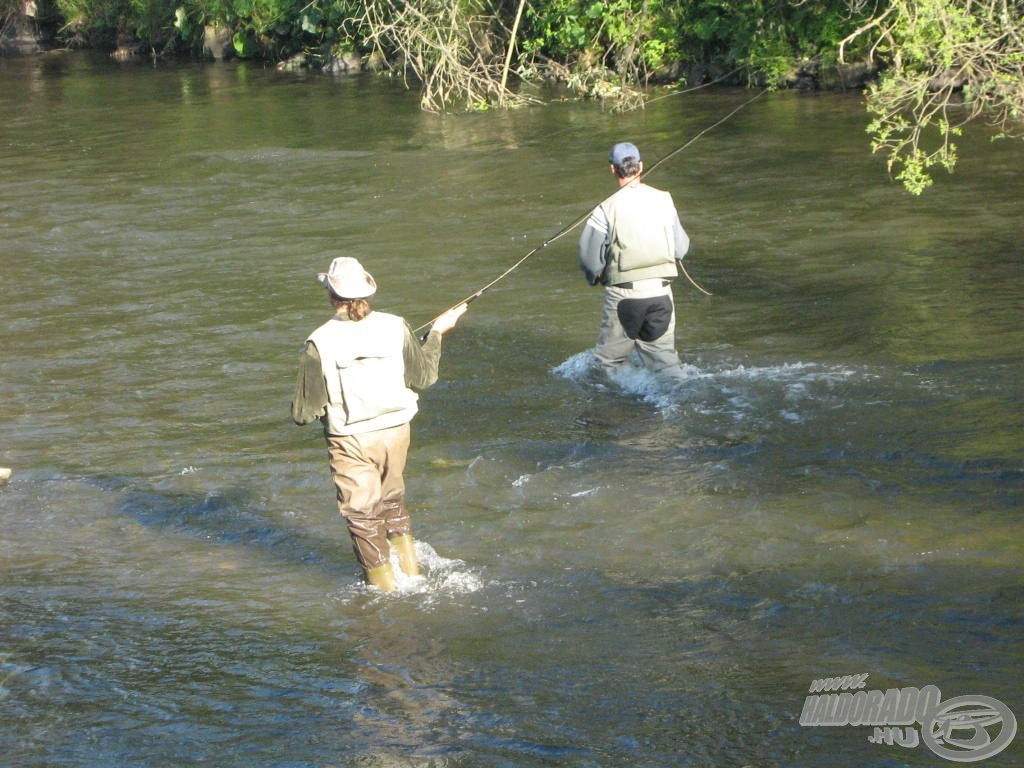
{"x": 631, "y": 245}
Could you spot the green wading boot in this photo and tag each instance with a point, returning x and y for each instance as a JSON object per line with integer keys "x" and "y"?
{"x": 406, "y": 551}
{"x": 381, "y": 577}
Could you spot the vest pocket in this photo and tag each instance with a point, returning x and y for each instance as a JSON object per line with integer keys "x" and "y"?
{"x": 641, "y": 255}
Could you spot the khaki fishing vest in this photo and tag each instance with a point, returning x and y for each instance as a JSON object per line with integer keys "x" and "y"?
{"x": 641, "y": 238}
{"x": 364, "y": 370}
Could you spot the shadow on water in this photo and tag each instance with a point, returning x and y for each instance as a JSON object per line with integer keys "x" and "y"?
{"x": 224, "y": 536}
{"x": 691, "y": 667}
{"x": 224, "y": 518}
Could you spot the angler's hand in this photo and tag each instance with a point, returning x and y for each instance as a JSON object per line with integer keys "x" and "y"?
{"x": 447, "y": 321}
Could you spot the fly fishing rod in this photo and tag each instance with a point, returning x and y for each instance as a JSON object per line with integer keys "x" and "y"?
{"x": 583, "y": 217}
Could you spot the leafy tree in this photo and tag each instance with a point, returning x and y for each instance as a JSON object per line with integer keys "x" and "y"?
{"x": 603, "y": 48}
{"x": 768, "y": 38}
{"x": 946, "y": 63}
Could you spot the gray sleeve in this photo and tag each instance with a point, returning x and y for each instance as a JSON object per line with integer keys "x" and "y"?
{"x": 682, "y": 240}
{"x": 592, "y": 252}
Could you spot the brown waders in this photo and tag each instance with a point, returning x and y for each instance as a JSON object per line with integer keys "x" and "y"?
{"x": 367, "y": 471}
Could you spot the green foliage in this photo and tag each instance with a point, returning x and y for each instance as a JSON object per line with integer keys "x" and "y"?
{"x": 632, "y": 40}
{"x": 637, "y": 38}
{"x": 151, "y": 19}
{"x": 631, "y": 36}
{"x": 767, "y": 38}
{"x": 266, "y": 28}
{"x": 946, "y": 63}
{"x": 556, "y": 29}
{"x": 105, "y": 22}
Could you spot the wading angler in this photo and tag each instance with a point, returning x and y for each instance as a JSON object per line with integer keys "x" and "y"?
{"x": 356, "y": 375}
{"x": 631, "y": 245}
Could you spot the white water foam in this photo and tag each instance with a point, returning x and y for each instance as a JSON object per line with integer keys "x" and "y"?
{"x": 439, "y": 575}
{"x": 631, "y": 378}
{"x": 736, "y": 388}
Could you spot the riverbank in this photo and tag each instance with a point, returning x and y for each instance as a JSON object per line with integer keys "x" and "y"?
{"x": 29, "y": 36}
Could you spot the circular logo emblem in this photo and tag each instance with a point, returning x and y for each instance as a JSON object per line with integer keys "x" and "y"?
{"x": 969, "y": 728}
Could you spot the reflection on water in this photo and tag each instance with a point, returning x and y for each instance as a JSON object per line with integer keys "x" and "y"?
{"x": 619, "y": 571}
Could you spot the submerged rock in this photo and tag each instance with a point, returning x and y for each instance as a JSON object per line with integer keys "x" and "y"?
{"x": 344, "y": 64}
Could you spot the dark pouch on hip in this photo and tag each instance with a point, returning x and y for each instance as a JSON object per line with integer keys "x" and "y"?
{"x": 645, "y": 319}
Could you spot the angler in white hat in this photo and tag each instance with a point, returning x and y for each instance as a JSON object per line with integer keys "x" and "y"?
{"x": 356, "y": 375}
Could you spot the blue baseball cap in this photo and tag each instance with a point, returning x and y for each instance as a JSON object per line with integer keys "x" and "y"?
{"x": 621, "y": 151}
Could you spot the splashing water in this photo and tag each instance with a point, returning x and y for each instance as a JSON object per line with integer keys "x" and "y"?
{"x": 723, "y": 387}
{"x": 439, "y": 575}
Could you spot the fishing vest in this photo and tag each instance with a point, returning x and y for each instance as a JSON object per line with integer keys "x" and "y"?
{"x": 641, "y": 236}
{"x": 364, "y": 369}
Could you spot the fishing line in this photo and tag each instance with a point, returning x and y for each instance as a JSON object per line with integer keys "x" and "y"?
{"x": 583, "y": 217}
{"x": 695, "y": 88}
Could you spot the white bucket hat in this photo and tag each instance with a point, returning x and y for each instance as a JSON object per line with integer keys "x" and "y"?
{"x": 347, "y": 279}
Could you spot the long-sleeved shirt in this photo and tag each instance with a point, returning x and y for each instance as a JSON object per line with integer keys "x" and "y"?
{"x": 310, "y": 398}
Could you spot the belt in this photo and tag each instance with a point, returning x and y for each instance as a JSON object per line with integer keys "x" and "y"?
{"x": 630, "y": 285}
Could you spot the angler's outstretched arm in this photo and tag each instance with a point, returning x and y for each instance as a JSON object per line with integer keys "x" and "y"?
{"x": 423, "y": 359}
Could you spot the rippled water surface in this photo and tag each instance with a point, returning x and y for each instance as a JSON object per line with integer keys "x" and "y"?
{"x": 620, "y": 572}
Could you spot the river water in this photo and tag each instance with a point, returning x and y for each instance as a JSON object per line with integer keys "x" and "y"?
{"x": 620, "y": 572}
